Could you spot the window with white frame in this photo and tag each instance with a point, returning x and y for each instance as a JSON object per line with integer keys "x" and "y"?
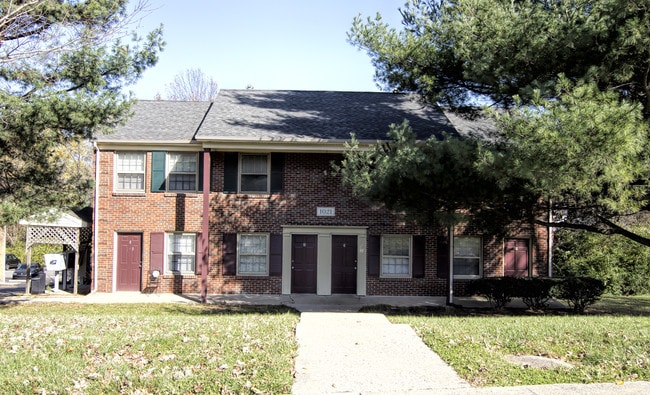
{"x": 253, "y": 254}
{"x": 181, "y": 252}
{"x": 467, "y": 256}
{"x": 182, "y": 175}
{"x": 129, "y": 169}
{"x": 254, "y": 173}
{"x": 395, "y": 256}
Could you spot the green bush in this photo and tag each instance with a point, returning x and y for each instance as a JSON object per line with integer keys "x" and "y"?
{"x": 499, "y": 291}
{"x": 579, "y": 292}
{"x": 535, "y": 292}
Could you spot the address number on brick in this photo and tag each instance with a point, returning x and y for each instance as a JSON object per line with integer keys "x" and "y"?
{"x": 325, "y": 211}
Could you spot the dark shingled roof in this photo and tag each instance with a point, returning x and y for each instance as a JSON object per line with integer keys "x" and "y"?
{"x": 160, "y": 121}
{"x": 292, "y": 116}
{"x": 320, "y": 115}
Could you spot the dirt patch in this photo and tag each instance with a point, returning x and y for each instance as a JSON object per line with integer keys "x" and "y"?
{"x": 533, "y": 361}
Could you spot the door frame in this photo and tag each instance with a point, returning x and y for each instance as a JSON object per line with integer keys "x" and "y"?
{"x": 324, "y": 258}
{"x": 116, "y": 236}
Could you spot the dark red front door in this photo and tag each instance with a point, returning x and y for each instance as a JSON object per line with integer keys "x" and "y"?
{"x": 516, "y": 258}
{"x": 129, "y": 262}
{"x": 303, "y": 263}
{"x": 344, "y": 264}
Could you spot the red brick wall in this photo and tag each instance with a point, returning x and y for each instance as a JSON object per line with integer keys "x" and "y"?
{"x": 309, "y": 182}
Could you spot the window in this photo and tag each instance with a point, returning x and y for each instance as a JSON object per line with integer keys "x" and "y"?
{"x": 467, "y": 256}
{"x": 252, "y": 254}
{"x": 130, "y": 171}
{"x": 396, "y": 256}
{"x": 181, "y": 252}
{"x": 182, "y": 171}
{"x": 254, "y": 173}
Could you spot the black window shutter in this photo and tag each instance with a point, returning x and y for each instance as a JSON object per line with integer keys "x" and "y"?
{"x": 200, "y": 171}
{"x": 157, "y": 252}
{"x": 229, "y": 258}
{"x": 275, "y": 256}
{"x": 418, "y": 256}
{"x": 374, "y": 252}
{"x": 443, "y": 256}
{"x": 157, "y": 171}
{"x": 230, "y": 164}
{"x": 277, "y": 172}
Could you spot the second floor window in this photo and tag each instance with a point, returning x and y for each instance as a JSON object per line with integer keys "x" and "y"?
{"x": 129, "y": 169}
{"x": 254, "y": 173}
{"x": 182, "y": 171}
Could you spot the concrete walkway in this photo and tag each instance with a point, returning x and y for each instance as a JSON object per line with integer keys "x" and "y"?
{"x": 364, "y": 353}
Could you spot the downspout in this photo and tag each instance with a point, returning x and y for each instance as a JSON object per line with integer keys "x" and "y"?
{"x": 549, "y": 231}
{"x": 450, "y": 297}
{"x": 95, "y": 218}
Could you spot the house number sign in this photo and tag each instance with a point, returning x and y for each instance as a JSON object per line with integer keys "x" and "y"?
{"x": 325, "y": 211}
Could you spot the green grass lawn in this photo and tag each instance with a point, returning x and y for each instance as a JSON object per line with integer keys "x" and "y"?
{"x": 609, "y": 344}
{"x": 141, "y": 349}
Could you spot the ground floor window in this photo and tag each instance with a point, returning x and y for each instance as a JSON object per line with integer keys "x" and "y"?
{"x": 253, "y": 255}
{"x": 395, "y": 256}
{"x": 181, "y": 252}
{"x": 467, "y": 256}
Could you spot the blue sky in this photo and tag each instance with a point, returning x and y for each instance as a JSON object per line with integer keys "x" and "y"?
{"x": 269, "y": 44}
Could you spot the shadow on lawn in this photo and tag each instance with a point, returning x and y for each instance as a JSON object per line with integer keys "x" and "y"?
{"x": 607, "y": 306}
{"x": 229, "y": 309}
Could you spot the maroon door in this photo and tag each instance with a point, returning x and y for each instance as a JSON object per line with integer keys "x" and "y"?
{"x": 344, "y": 264}
{"x": 516, "y": 258}
{"x": 303, "y": 263}
{"x": 129, "y": 262}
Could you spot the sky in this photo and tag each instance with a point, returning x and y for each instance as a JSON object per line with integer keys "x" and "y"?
{"x": 266, "y": 44}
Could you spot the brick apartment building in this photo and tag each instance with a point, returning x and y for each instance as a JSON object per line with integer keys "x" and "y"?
{"x": 239, "y": 196}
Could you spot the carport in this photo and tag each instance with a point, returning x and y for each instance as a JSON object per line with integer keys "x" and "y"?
{"x": 71, "y": 229}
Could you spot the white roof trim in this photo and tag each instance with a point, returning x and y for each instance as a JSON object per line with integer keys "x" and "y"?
{"x": 63, "y": 219}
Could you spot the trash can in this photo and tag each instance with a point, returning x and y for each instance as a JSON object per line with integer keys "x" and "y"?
{"x": 38, "y": 283}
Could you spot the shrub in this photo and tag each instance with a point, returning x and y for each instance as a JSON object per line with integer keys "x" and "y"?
{"x": 579, "y": 292}
{"x": 535, "y": 292}
{"x": 499, "y": 291}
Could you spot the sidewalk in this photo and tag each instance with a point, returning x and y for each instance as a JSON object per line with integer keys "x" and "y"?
{"x": 363, "y": 354}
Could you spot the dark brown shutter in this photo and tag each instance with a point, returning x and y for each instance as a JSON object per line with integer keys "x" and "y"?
{"x": 230, "y": 164}
{"x": 157, "y": 252}
{"x": 443, "y": 256}
{"x": 374, "y": 252}
{"x": 277, "y": 172}
{"x": 229, "y": 258}
{"x": 418, "y": 256}
{"x": 275, "y": 256}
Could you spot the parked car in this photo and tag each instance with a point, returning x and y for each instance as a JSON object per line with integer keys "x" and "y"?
{"x": 21, "y": 270}
{"x": 11, "y": 261}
